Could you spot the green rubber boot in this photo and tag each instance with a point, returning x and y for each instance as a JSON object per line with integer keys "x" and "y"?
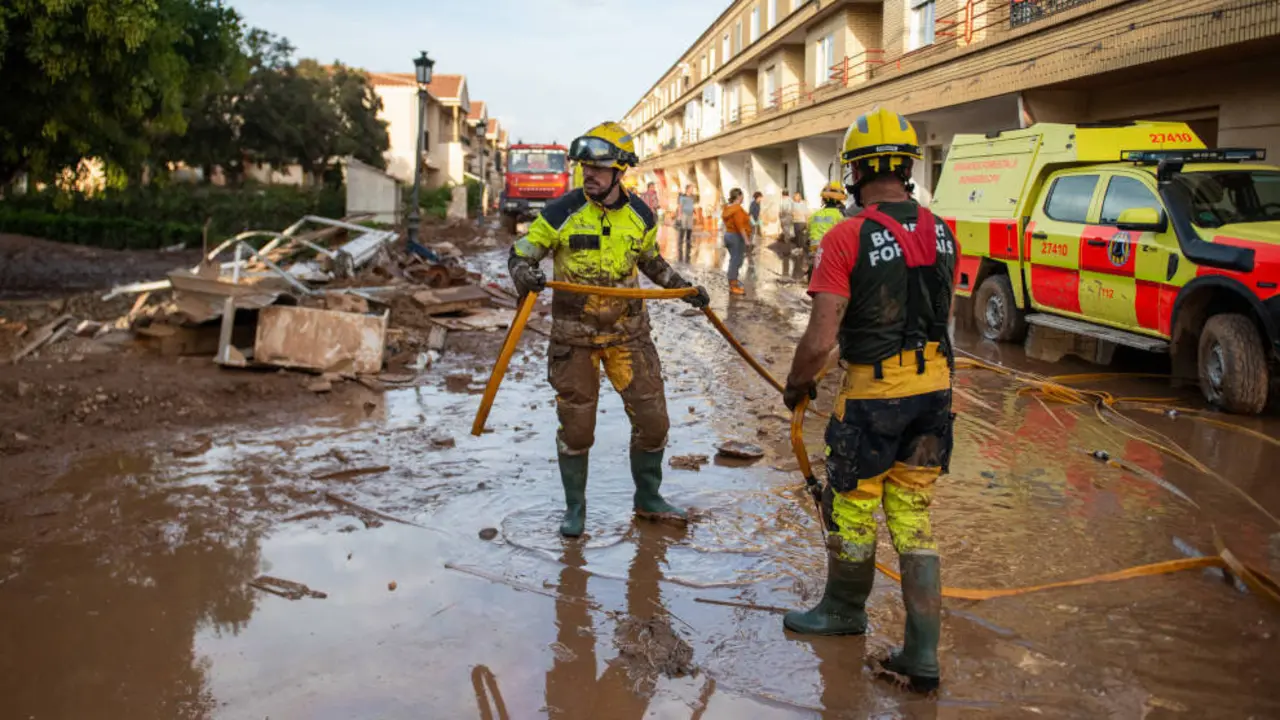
{"x": 842, "y": 609}
{"x": 917, "y": 659}
{"x": 573, "y": 475}
{"x": 646, "y": 471}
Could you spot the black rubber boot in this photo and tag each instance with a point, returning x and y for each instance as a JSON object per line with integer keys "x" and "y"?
{"x": 842, "y": 609}
{"x": 646, "y": 471}
{"x": 917, "y": 659}
{"x": 573, "y": 475}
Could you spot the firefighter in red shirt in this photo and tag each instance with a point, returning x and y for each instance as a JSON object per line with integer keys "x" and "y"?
{"x": 882, "y": 285}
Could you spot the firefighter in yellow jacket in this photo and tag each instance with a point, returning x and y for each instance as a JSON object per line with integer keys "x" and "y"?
{"x": 882, "y": 285}
{"x": 832, "y": 212}
{"x": 600, "y": 234}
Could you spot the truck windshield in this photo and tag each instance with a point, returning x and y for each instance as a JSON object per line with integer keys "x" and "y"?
{"x": 1232, "y": 196}
{"x": 537, "y": 161}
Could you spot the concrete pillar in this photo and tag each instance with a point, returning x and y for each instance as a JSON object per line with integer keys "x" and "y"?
{"x": 733, "y": 173}
{"x": 818, "y": 156}
{"x": 766, "y": 174}
{"x": 707, "y": 174}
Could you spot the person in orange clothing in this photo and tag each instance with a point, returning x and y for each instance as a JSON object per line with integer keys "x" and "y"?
{"x": 737, "y": 230}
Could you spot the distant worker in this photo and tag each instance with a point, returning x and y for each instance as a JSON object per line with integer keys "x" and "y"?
{"x": 755, "y": 215}
{"x": 601, "y": 235}
{"x": 799, "y": 218}
{"x": 685, "y": 220}
{"x": 650, "y": 197}
{"x": 882, "y": 284}
{"x": 737, "y": 234}
{"x": 784, "y": 218}
{"x": 832, "y": 212}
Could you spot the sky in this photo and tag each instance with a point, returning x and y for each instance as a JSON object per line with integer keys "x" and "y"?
{"x": 548, "y": 69}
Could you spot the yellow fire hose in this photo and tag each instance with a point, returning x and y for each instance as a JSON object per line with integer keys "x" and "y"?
{"x": 1256, "y": 581}
{"x": 526, "y": 308}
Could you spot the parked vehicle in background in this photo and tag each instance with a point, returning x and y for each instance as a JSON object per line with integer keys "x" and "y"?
{"x": 535, "y": 175}
{"x": 1131, "y": 234}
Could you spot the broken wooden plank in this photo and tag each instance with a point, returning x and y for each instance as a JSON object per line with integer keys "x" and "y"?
{"x": 320, "y": 340}
{"x": 353, "y": 472}
{"x": 287, "y": 589}
{"x": 42, "y": 336}
{"x": 339, "y": 500}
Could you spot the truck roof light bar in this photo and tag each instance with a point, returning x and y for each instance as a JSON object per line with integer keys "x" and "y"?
{"x": 1153, "y": 157}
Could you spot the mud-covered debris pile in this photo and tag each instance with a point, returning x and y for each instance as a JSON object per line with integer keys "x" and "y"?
{"x": 650, "y": 647}
{"x": 329, "y": 297}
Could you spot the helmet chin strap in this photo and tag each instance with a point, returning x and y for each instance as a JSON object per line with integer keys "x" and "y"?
{"x": 607, "y": 191}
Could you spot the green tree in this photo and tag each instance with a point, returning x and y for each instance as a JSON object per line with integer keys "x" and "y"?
{"x": 104, "y": 78}
{"x": 310, "y": 115}
{"x": 364, "y": 135}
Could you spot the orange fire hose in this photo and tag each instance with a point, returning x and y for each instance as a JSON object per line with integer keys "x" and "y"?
{"x": 526, "y": 308}
{"x": 1256, "y": 581}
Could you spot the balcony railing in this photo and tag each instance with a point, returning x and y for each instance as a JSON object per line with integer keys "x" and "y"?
{"x": 856, "y": 68}
{"x": 741, "y": 114}
{"x": 1025, "y": 12}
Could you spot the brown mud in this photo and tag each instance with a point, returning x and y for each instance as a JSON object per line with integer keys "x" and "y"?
{"x": 35, "y": 268}
{"x": 132, "y": 569}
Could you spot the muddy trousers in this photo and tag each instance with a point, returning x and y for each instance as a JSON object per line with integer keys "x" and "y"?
{"x": 886, "y": 453}
{"x": 634, "y": 371}
{"x": 886, "y": 446}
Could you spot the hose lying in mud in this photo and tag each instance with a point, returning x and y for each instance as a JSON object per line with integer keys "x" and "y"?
{"x": 1104, "y": 406}
{"x": 1054, "y": 390}
{"x": 526, "y": 308}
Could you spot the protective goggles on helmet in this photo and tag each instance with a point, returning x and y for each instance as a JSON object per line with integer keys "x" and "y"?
{"x": 598, "y": 151}
{"x": 887, "y": 149}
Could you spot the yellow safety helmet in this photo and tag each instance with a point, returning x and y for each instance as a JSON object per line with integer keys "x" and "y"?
{"x": 605, "y": 145}
{"x": 881, "y": 141}
{"x": 834, "y": 191}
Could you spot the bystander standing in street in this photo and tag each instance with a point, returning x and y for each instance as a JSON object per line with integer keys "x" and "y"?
{"x": 685, "y": 205}
{"x": 784, "y": 217}
{"x": 650, "y": 197}
{"x": 737, "y": 231}
{"x": 755, "y": 215}
{"x": 799, "y": 218}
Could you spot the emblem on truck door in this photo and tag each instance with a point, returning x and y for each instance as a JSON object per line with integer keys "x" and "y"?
{"x": 1121, "y": 247}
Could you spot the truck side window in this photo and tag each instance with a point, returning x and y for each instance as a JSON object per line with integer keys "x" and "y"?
{"x": 1069, "y": 198}
{"x": 1124, "y": 193}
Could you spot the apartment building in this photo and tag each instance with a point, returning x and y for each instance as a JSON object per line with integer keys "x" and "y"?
{"x": 762, "y": 98}
{"x": 448, "y": 135}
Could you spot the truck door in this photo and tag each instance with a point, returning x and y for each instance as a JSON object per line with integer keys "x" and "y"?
{"x": 1057, "y": 223}
{"x": 1125, "y": 273}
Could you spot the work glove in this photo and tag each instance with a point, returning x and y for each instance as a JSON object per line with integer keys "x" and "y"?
{"x": 701, "y": 300}
{"x": 797, "y": 392}
{"x": 528, "y": 278}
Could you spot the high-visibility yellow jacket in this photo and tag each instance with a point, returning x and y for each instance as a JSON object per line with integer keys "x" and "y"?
{"x": 594, "y": 245}
{"x": 821, "y": 222}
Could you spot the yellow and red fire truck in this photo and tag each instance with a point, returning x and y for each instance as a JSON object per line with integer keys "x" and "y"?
{"x": 535, "y": 175}
{"x": 1131, "y": 233}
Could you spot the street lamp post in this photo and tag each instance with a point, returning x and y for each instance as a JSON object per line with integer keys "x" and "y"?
{"x": 422, "y": 73}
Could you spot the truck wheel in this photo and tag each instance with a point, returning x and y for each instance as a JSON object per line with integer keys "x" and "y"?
{"x": 995, "y": 312}
{"x": 1233, "y": 366}
{"x": 509, "y": 224}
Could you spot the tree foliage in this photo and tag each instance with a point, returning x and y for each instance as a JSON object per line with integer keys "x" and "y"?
{"x": 144, "y": 83}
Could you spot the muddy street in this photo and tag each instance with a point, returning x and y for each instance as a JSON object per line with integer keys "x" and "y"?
{"x": 142, "y": 583}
